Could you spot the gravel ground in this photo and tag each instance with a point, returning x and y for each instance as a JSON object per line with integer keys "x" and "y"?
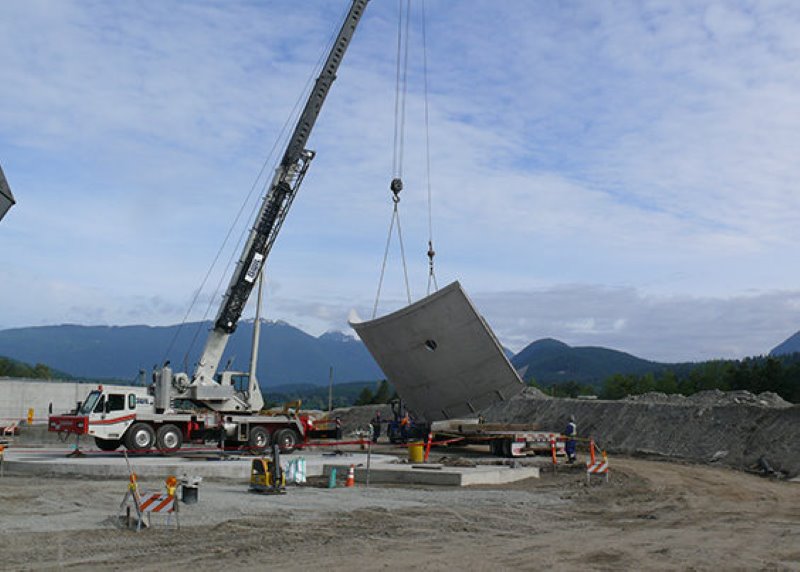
{"x": 651, "y": 515}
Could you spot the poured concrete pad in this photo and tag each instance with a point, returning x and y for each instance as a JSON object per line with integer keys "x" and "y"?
{"x": 403, "y": 474}
{"x": 441, "y": 356}
{"x": 55, "y": 462}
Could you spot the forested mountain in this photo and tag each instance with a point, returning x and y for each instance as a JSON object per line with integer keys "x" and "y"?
{"x": 789, "y": 346}
{"x": 550, "y": 361}
{"x": 287, "y": 355}
{"x": 300, "y": 362}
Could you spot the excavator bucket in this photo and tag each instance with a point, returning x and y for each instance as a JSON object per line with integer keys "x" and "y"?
{"x": 441, "y": 356}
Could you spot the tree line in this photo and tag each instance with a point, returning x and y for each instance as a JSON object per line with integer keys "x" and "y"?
{"x": 12, "y": 368}
{"x": 778, "y": 374}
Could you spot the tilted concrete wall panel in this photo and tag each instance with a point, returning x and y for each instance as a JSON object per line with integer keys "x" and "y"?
{"x": 17, "y": 396}
{"x": 441, "y": 356}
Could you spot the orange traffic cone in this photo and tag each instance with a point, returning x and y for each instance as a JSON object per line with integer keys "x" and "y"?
{"x": 351, "y": 477}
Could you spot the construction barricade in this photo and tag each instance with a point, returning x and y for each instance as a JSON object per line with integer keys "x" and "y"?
{"x": 148, "y": 502}
{"x": 595, "y": 466}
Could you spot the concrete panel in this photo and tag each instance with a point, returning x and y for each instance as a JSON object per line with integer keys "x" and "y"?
{"x": 53, "y": 461}
{"x": 441, "y": 356}
{"x": 17, "y": 396}
{"x": 400, "y": 474}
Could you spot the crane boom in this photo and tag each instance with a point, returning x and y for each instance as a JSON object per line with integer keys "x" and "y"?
{"x": 276, "y": 203}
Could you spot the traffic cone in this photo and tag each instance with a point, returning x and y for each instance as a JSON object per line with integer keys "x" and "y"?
{"x": 351, "y": 477}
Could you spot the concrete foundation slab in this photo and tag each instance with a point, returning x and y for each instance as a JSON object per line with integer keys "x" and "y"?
{"x": 55, "y": 462}
{"x": 383, "y": 468}
{"x": 402, "y": 474}
{"x": 441, "y": 356}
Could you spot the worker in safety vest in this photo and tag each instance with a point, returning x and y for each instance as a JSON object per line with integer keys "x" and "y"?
{"x": 571, "y": 433}
{"x": 376, "y": 426}
{"x": 405, "y": 425}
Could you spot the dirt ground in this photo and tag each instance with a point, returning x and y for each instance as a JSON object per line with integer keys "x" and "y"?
{"x": 652, "y": 515}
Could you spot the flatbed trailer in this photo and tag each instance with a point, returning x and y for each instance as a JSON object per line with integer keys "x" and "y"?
{"x": 503, "y": 439}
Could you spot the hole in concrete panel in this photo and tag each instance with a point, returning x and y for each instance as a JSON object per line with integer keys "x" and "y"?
{"x": 430, "y": 345}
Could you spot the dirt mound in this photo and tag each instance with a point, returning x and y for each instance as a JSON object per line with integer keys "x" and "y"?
{"x": 714, "y": 397}
{"x": 734, "y": 428}
{"x": 531, "y": 393}
{"x": 358, "y": 418}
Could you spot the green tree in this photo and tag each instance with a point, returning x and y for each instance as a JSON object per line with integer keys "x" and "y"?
{"x": 365, "y": 397}
{"x": 41, "y": 371}
{"x": 382, "y": 395}
{"x": 667, "y": 383}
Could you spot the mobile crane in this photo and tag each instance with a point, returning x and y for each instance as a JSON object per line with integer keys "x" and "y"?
{"x": 209, "y": 404}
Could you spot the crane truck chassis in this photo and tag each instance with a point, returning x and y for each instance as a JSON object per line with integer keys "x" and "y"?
{"x": 126, "y": 417}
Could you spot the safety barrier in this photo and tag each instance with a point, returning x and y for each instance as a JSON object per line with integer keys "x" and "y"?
{"x": 593, "y": 466}
{"x": 11, "y": 429}
{"x": 157, "y": 502}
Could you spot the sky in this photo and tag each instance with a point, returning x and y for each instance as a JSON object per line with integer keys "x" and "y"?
{"x": 618, "y": 174}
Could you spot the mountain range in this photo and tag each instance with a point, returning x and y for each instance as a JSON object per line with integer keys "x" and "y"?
{"x": 790, "y": 346}
{"x": 550, "y": 361}
{"x": 288, "y": 355}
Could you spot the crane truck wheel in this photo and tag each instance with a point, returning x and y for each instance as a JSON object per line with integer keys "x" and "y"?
{"x": 169, "y": 438}
{"x": 258, "y": 439}
{"x": 140, "y": 437}
{"x": 287, "y": 440}
{"x": 107, "y": 444}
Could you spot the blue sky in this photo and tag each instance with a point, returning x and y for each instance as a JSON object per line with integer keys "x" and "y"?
{"x": 605, "y": 173}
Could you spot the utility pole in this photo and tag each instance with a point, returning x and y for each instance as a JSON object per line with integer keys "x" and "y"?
{"x": 330, "y": 390}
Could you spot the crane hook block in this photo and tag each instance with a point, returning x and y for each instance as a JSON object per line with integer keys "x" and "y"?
{"x": 396, "y": 186}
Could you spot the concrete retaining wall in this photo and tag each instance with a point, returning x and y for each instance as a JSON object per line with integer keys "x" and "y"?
{"x": 19, "y": 395}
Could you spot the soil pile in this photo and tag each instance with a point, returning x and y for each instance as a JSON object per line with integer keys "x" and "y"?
{"x": 738, "y": 428}
{"x": 358, "y": 418}
{"x": 714, "y": 397}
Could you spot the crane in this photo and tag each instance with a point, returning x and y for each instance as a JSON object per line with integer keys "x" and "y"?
{"x": 218, "y": 392}
{"x": 209, "y": 405}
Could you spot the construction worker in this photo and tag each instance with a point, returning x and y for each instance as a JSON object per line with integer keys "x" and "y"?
{"x": 571, "y": 432}
{"x": 405, "y": 425}
{"x": 376, "y": 426}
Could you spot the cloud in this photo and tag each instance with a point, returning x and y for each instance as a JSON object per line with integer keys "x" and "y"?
{"x": 663, "y": 328}
{"x": 645, "y": 148}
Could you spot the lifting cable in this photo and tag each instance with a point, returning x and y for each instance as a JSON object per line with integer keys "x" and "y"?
{"x": 401, "y": 89}
{"x": 431, "y": 251}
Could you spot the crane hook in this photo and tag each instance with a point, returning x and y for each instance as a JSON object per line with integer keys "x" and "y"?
{"x": 396, "y": 186}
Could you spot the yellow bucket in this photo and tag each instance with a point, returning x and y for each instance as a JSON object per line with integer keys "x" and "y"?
{"x": 416, "y": 452}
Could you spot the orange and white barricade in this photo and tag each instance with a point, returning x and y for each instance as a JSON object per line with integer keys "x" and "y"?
{"x": 150, "y": 502}
{"x": 157, "y": 502}
{"x": 595, "y": 466}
